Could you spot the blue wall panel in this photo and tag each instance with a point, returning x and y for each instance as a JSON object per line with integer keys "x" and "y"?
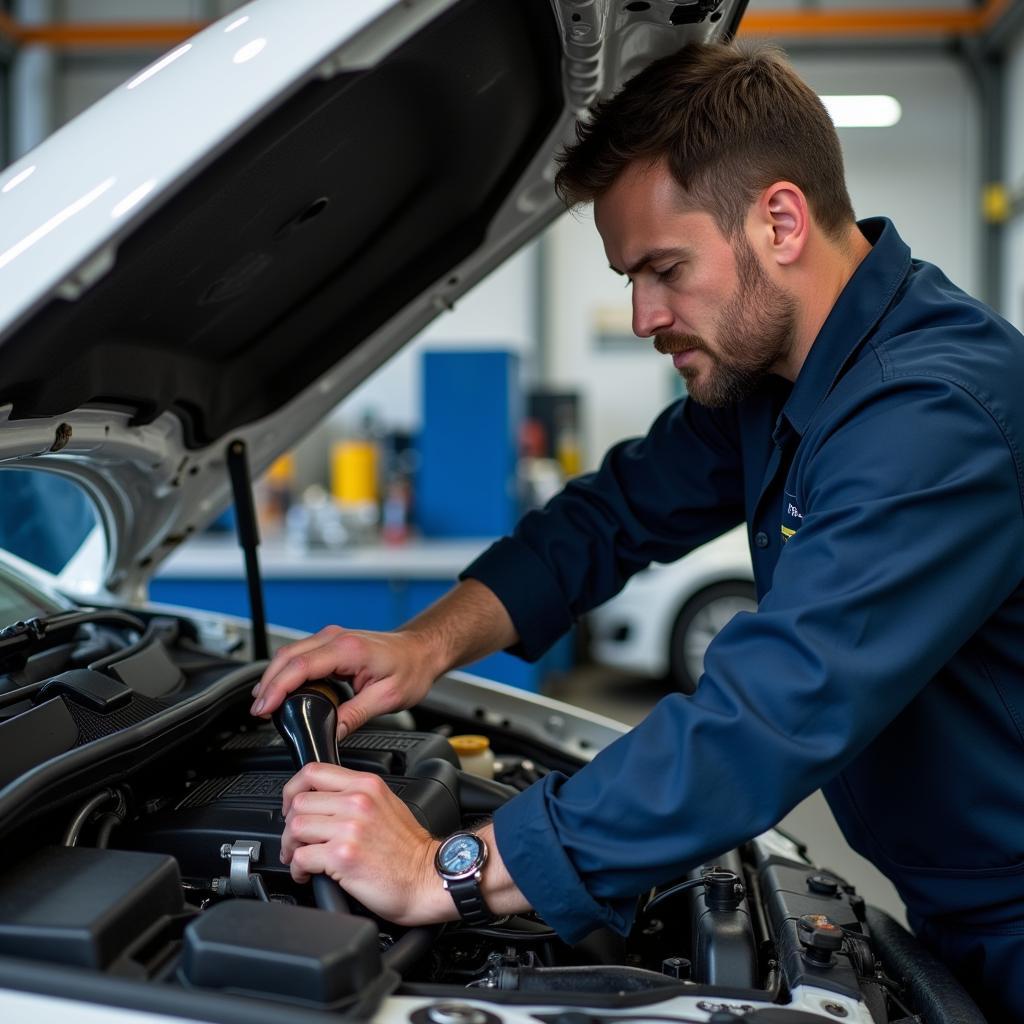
{"x": 311, "y": 604}
{"x": 472, "y": 408}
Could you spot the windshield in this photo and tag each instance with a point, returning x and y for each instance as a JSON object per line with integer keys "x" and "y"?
{"x": 44, "y": 518}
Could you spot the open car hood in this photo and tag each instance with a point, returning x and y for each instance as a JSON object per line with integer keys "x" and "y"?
{"x": 228, "y": 243}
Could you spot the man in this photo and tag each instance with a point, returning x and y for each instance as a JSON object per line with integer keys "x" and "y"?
{"x": 865, "y": 418}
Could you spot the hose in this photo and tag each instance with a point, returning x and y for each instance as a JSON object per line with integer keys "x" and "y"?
{"x": 107, "y": 825}
{"x": 935, "y": 993}
{"x": 585, "y": 979}
{"x": 85, "y": 812}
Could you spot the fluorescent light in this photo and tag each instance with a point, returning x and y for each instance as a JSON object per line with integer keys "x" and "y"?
{"x": 54, "y": 222}
{"x": 237, "y": 23}
{"x": 249, "y": 51}
{"x": 863, "y": 111}
{"x": 133, "y": 198}
{"x": 18, "y": 179}
{"x": 156, "y": 68}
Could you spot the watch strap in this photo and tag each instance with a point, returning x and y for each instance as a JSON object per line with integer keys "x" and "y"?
{"x": 469, "y": 900}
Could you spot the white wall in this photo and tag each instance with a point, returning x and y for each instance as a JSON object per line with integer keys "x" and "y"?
{"x": 497, "y": 313}
{"x": 924, "y": 174}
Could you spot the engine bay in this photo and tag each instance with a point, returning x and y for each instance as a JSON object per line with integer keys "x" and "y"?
{"x": 141, "y": 808}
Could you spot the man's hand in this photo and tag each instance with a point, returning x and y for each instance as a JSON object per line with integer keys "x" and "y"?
{"x": 350, "y": 826}
{"x": 389, "y": 672}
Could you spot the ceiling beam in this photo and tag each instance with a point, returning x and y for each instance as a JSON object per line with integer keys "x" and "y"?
{"x": 873, "y": 23}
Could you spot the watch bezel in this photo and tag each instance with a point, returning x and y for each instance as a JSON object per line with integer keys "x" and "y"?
{"x": 481, "y": 859}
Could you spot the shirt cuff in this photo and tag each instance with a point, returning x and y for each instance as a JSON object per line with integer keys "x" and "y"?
{"x": 529, "y": 592}
{"x": 541, "y": 868}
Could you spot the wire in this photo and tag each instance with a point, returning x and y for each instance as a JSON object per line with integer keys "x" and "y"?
{"x": 892, "y": 988}
{"x": 693, "y": 883}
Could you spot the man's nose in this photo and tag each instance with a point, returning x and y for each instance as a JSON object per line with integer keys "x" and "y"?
{"x": 649, "y": 315}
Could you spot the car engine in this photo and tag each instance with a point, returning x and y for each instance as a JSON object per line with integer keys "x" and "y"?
{"x": 140, "y": 807}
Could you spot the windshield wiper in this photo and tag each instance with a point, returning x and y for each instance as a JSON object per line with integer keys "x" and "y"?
{"x": 25, "y": 637}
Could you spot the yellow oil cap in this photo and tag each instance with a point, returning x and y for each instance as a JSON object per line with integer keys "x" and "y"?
{"x": 467, "y": 745}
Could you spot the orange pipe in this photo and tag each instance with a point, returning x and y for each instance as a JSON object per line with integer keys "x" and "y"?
{"x": 885, "y": 22}
{"x": 108, "y": 36}
{"x": 881, "y": 22}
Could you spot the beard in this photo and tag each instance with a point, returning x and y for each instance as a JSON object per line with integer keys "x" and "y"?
{"x": 754, "y": 332}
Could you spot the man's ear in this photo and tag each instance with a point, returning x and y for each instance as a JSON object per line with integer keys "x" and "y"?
{"x": 783, "y": 212}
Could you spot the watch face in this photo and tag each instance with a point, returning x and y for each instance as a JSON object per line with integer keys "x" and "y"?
{"x": 459, "y": 855}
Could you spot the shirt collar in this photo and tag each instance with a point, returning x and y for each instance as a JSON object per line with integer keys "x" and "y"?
{"x": 857, "y": 310}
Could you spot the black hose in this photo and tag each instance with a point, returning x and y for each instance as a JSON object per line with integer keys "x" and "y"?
{"x": 611, "y": 978}
{"x": 85, "y": 812}
{"x": 934, "y": 992}
{"x": 693, "y": 883}
{"x": 144, "y": 641}
{"x": 328, "y": 895}
{"x": 107, "y": 825}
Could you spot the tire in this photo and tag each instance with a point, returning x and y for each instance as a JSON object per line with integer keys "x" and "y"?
{"x": 699, "y": 622}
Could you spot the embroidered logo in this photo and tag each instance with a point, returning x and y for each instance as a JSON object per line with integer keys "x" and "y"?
{"x": 792, "y": 517}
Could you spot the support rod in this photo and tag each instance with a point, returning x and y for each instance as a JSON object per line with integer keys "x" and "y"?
{"x": 248, "y": 540}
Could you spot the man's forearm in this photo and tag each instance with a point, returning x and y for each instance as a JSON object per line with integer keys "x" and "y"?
{"x": 467, "y": 623}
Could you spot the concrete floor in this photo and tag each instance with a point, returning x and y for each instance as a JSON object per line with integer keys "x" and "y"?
{"x": 628, "y": 699}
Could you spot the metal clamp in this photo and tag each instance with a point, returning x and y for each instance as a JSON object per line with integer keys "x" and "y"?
{"x": 241, "y": 881}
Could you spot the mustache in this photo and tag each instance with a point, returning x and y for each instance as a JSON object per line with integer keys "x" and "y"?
{"x": 671, "y": 344}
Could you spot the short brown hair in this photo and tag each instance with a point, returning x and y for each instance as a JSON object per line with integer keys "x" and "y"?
{"x": 730, "y": 119}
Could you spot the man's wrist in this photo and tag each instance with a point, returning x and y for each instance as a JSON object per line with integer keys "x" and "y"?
{"x": 433, "y": 653}
{"x": 434, "y": 903}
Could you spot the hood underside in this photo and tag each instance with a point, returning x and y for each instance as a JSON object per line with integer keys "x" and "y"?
{"x": 354, "y": 195}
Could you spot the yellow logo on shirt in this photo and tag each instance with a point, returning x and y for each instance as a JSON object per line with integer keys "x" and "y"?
{"x": 792, "y": 517}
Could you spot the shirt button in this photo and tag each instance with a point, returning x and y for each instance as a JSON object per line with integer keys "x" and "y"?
{"x": 761, "y": 539}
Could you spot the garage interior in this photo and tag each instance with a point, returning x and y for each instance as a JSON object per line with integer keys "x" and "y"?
{"x": 375, "y": 513}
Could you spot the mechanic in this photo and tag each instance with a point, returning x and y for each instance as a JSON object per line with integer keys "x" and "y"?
{"x": 865, "y": 417}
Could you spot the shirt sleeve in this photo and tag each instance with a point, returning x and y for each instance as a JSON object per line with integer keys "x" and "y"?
{"x": 912, "y": 537}
{"x": 653, "y": 499}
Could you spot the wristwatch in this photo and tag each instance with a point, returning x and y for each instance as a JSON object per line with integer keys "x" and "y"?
{"x": 459, "y": 861}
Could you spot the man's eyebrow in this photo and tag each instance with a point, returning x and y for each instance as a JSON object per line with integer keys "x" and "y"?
{"x": 652, "y": 256}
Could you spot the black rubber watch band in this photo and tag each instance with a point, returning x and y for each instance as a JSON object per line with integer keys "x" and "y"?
{"x": 469, "y": 901}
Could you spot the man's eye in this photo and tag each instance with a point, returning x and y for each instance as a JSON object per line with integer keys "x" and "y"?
{"x": 668, "y": 273}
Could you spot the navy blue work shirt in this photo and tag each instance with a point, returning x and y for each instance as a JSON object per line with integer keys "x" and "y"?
{"x": 884, "y": 496}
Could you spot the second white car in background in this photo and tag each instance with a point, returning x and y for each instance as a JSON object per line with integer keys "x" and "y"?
{"x": 665, "y": 617}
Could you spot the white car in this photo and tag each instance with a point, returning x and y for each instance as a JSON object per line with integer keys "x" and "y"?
{"x": 192, "y": 274}
{"x": 662, "y": 621}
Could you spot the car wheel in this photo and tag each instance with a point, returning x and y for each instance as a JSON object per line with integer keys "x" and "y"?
{"x": 700, "y": 621}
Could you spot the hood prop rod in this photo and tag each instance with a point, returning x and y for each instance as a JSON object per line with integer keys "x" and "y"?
{"x": 248, "y": 541}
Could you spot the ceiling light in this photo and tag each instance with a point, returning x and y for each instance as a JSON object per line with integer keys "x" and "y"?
{"x": 863, "y": 111}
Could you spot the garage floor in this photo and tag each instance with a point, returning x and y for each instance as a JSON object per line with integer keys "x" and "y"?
{"x": 628, "y": 699}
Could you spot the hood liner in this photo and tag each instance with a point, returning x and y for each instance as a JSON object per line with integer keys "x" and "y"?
{"x": 309, "y": 233}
